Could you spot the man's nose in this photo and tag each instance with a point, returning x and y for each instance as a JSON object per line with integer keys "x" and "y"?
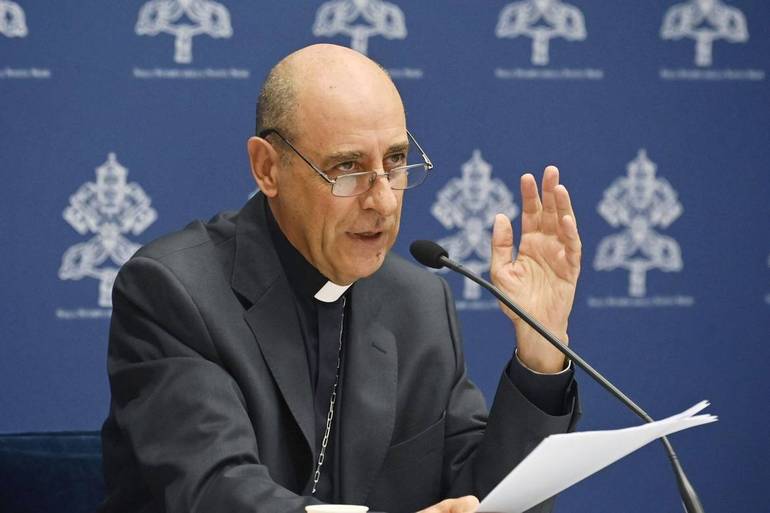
{"x": 381, "y": 197}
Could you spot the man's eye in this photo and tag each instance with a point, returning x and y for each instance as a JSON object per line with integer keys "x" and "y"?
{"x": 397, "y": 159}
{"x": 344, "y": 167}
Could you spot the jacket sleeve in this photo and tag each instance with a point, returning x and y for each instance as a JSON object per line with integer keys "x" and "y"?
{"x": 178, "y": 423}
{"x": 481, "y": 450}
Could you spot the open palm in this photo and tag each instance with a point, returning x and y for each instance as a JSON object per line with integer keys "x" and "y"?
{"x": 543, "y": 277}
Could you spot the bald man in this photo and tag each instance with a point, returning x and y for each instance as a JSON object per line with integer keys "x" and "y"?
{"x": 280, "y": 356}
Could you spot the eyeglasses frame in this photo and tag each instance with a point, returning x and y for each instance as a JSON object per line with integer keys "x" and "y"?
{"x": 427, "y": 163}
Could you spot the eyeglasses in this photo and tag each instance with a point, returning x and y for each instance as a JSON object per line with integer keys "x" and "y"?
{"x": 401, "y": 176}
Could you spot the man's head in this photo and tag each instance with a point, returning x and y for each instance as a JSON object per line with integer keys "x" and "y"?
{"x": 342, "y": 111}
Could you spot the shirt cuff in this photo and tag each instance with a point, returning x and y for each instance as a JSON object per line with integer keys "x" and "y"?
{"x": 549, "y": 392}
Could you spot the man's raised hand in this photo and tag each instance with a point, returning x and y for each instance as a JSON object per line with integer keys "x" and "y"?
{"x": 543, "y": 277}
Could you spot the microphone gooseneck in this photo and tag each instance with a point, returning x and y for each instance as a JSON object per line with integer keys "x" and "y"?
{"x": 430, "y": 254}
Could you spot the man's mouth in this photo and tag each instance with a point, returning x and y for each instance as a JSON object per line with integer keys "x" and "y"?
{"x": 367, "y": 236}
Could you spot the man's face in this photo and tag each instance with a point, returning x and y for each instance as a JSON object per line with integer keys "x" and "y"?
{"x": 346, "y": 238}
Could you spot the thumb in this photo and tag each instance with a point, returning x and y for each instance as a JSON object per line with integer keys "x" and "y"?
{"x": 502, "y": 241}
{"x": 467, "y": 504}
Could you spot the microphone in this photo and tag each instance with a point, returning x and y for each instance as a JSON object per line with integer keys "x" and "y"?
{"x": 430, "y": 254}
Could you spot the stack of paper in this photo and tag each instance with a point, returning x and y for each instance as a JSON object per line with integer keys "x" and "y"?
{"x": 562, "y": 460}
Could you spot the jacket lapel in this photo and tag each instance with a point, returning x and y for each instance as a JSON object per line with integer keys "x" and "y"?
{"x": 259, "y": 278}
{"x": 368, "y": 395}
{"x": 274, "y": 324}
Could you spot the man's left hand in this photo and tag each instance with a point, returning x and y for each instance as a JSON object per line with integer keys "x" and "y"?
{"x": 467, "y": 504}
{"x": 543, "y": 277}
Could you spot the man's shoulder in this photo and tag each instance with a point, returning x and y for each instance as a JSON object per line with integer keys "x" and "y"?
{"x": 398, "y": 265}
{"x": 197, "y": 258}
{"x": 193, "y": 240}
{"x": 406, "y": 278}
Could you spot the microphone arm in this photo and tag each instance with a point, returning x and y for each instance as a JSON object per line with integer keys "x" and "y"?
{"x": 690, "y": 499}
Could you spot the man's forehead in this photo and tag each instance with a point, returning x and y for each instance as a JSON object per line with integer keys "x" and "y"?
{"x": 368, "y": 106}
{"x": 352, "y": 124}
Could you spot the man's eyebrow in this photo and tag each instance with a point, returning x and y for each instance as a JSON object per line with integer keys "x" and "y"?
{"x": 341, "y": 156}
{"x": 399, "y": 147}
{"x": 345, "y": 156}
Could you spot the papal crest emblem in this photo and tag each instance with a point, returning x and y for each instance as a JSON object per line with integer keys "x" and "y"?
{"x": 640, "y": 203}
{"x": 468, "y": 205}
{"x": 360, "y": 20}
{"x": 705, "y": 21}
{"x": 541, "y": 20}
{"x": 184, "y": 19}
{"x": 108, "y": 209}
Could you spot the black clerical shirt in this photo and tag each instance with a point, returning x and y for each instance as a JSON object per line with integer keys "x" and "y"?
{"x": 322, "y": 324}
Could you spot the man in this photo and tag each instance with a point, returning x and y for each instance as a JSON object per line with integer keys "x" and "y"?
{"x": 279, "y": 356}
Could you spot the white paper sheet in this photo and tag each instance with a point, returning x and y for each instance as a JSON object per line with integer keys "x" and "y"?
{"x": 562, "y": 460}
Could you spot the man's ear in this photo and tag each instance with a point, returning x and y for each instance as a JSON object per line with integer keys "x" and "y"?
{"x": 264, "y": 162}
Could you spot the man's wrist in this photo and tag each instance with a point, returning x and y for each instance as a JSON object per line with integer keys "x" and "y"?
{"x": 536, "y": 353}
{"x": 548, "y": 392}
{"x": 566, "y": 367}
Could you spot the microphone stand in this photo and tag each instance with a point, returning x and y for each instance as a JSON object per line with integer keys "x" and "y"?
{"x": 690, "y": 499}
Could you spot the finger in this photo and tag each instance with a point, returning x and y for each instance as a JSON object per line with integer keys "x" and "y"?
{"x": 531, "y": 209}
{"x": 568, "y": 230}
{"x": 571, "y": 238}
{"x": 550, "y": 220}
{"x": 563, "y": 202}
{"x": 502, "y": 241}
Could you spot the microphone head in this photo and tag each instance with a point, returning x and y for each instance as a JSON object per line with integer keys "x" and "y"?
{"x": 428, "y": 253}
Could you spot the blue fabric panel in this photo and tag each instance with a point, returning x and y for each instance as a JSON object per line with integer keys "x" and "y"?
{"x": 50, "y": 472}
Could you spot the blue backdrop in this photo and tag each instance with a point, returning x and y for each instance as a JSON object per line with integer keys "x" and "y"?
{"x": 121, "y": 122}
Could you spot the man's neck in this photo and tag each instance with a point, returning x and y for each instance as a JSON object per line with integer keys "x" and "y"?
{"x": 306, "y": 280}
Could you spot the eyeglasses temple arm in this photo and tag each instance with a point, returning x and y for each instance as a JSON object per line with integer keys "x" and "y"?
{"x": 424, "y": 155}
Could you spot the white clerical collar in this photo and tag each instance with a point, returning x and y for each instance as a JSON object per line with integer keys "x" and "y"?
{"x": 331, "y": 292}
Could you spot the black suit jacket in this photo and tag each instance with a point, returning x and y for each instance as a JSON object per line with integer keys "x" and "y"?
{"x": 212, "y": 407}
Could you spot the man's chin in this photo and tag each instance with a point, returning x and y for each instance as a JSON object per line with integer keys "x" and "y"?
{"x": 364, "y": 268}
